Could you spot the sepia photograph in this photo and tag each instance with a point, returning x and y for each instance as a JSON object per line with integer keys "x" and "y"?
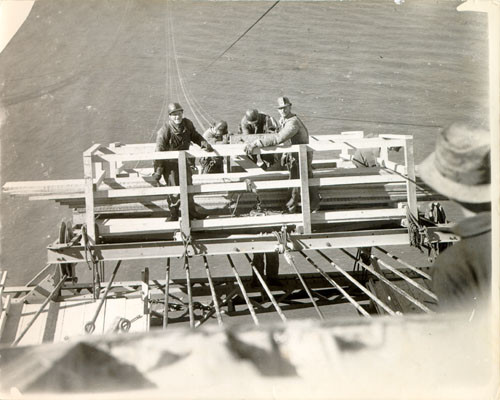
{"x": 249, "y": 199}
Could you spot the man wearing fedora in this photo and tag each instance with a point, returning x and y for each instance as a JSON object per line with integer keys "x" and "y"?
{"x": 459, "y": 168}
{"x": 293, "y": 129}
{"x": 176, "y": 134}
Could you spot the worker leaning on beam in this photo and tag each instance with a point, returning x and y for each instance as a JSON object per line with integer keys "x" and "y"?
{"x": 293, "y": 129}
{"x": 254, "y": 122}
{"x": 177, "y": 134}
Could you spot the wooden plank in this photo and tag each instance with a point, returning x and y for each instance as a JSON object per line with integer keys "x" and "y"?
{"x": 100, "y": 179}
{"x": 134, "y": 308}
{"x": 4, "y": 313}
{"x": 123, "y": 226}
{"x": 304, "y": 190}
{"x": 399, "y": 168}
{"x": 77, "y": 186}
{"x": 147, "y": 191}
{"x": 114, "y": 167}
{"x": 239, "y": 149}
{"x": 183, "y": 185}
{"x": 89, "y": 196}
{"x": 346, "y": 135}
{"x": 410, "y": 183}
{"x": 71, "y": 320}
{"x": 3, "y": 279}
{"x": 113, "y": 310}
{"x": 51, "y": 323}
{"x": 233, "y": 187}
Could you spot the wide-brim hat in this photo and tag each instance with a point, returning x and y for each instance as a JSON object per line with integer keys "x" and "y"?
{"x": 283, "y": 102}
{"x": 460, "y": 167}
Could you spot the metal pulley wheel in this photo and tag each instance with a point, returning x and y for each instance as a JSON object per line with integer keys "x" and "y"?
{"x": 65, "y": 236}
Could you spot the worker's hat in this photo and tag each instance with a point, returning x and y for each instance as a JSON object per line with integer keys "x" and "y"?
{"x": 174, "y": 107}
{"x": 252, "y": 115}
{"x": 460, "y": 167}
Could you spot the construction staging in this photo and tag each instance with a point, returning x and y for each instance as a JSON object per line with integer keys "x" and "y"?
{"x": 120, "y": 215}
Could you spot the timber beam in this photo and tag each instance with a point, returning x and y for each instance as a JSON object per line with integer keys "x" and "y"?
{"x": 236, "y": 244}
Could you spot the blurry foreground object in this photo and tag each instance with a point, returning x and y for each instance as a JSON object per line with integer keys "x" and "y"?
{"x": 459, "y": 168}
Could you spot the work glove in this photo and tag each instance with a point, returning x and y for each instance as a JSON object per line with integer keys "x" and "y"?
{"x": 207, "y": 146}
{"x": 250, "y": 147}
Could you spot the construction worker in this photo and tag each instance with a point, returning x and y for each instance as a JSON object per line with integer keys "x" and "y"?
{"x": 293, "y": 129}
{"x": 256, "y": 122}
{"x": 177, "y": 134}
{"x": 217, "y": 133}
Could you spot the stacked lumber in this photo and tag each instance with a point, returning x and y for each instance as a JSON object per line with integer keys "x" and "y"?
{"x": 239, "y": 200}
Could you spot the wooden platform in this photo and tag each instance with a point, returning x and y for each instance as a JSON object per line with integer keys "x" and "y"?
{"x": 64, "y": 320}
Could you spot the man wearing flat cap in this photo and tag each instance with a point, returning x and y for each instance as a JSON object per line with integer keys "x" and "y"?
{"x": 293, "y": 129}
{"x": 176, "y": 134}
{"x": 459, "y": 168}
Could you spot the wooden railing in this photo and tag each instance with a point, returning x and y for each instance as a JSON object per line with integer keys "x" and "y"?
{"x": 104, "y": 163}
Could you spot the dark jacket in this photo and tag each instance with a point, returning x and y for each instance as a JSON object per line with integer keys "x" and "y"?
{"x": 462, "y": 273}
{"x": 171, "y": 138}
{"x": 264, "y": 124}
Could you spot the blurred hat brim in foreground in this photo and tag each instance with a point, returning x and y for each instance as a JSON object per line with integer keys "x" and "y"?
{"x": 459, "y": 168}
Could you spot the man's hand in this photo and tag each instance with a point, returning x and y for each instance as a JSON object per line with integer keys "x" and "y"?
{"x": 250, "y": 147}
{"x": 207, "y": 146}
{"x": 157, "y": 176}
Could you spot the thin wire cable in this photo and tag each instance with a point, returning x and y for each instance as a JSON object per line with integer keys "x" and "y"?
{"x": 181, "y": 81}
{"x": 241, "y": 36}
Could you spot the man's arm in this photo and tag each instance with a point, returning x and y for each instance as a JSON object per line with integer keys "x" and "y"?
{"x": 161, "y": 139}
{"x": 209, "y": 136}
{"x": 245, "y": 127}
{"x": 161, "y": 145}
{"x": 197, "y": 138}
{"x": 290, "y": 129}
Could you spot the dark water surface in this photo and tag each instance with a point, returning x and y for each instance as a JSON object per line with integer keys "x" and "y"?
{"x": 85, "y": 72}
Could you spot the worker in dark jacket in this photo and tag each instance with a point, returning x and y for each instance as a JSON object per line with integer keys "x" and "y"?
{"x": 176, "y": 134}
{"x": 256, "y": 122}
{"x": 460, "y": 169}
{"x": 215, "y": 134}
{"x": 292, "y": 129}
